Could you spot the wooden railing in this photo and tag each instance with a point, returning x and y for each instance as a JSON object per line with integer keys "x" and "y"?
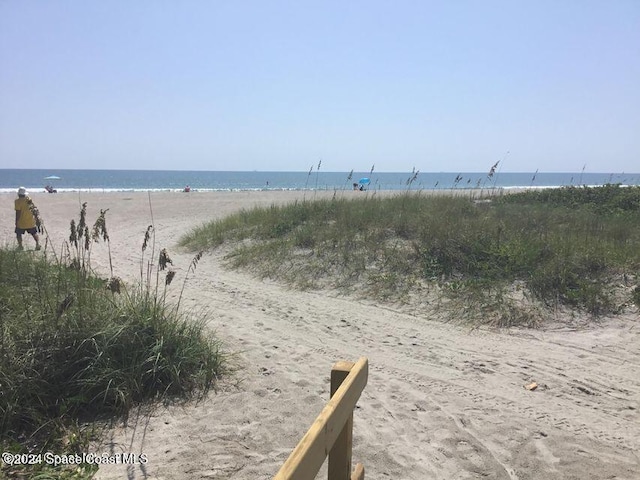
{"x": 332, "y": 431}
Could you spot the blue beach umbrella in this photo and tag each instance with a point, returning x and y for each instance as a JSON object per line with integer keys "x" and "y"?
{"x": 364, "y": 181}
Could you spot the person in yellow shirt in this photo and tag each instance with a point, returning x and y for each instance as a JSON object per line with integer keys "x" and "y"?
{"x": 25, "y": 221}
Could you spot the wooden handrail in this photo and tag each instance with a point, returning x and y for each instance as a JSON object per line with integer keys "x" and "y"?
{"x": 331, "y": 432}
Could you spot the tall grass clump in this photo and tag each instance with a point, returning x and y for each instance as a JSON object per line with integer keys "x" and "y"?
{"x": 75, "y": 347}
{"x": 507, "y": 258}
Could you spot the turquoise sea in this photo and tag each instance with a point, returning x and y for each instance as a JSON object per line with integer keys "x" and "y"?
{"x": 162, "y": 180}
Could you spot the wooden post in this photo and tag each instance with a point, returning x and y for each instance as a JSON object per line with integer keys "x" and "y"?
{"x": 340, "y": 454}
{"x": 308, "y": 456}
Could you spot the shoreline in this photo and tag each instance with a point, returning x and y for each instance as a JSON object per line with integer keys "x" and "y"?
{"x": 451, "y": 190}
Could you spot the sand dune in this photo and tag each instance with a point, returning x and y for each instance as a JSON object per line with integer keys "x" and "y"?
{"x": 442, "y": 402}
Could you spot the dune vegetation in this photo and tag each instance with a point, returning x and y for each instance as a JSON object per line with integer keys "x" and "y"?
{"x": 500, "y": 260}
{"x": 76, "y": 348}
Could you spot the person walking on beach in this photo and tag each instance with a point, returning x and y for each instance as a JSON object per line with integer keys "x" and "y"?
{"x": 25, "y": 221}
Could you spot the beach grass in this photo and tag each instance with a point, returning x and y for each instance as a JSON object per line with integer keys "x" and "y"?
{"x": 501, "y": 260}
{"x": 76, "y": 348}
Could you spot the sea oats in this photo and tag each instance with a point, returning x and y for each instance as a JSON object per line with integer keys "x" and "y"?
{"x": 100, "y": 227}
{"x": 83, "y": 220}
{"x": 147, "y": 236}
{"x": 164, "y": 259}
{"x": 36, "y": 214}
{"x": 114, "y": 284}
{"x": 73, "y": 236}
{"x": 196, "y": 259}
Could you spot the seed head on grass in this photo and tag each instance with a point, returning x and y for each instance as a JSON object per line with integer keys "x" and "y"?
{"x": 73, "y": 236}
{"x": 192, "y": 268}
{"x": 164, "y": 259}
{"x": 169, "y": 278}
{"x": 318, "y": 173}
{"x": 36, "y": 214}
{"x": 306, "y": 183}
{"x": 413, "y": 177}
{"x": 492, "y": 170}
{"x": 100, "y": 227}
{"x": 196, "y": 259}
{"x": 114, "y": 284}
{"x": 147, "y": 237}
{"x": 82, "y": 224}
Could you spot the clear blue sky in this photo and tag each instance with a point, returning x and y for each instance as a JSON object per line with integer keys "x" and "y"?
{"x": 280, "y": 85}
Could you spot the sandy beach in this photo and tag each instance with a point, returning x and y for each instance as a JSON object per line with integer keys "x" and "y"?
{"x": 442, "y": 402}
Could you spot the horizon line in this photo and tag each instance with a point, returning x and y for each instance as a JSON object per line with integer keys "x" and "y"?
{"x": 537, "y": 172}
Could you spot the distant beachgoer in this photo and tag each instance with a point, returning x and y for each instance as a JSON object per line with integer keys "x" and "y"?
{"x": 187, "y": 189}
{"x": 25, "y": 221}
{"x": 355, "y": 186}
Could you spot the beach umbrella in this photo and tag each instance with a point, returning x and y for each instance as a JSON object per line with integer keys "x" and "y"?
{"x": 49, "y": 188}
{"x": 364, "y": 181}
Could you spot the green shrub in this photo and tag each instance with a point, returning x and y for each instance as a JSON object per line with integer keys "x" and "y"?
{"x": 73, "y": 350}
{"x": 564, "y": 246}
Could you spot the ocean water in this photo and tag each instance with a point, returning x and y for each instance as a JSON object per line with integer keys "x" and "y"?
{"x": 162, "y": 180}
